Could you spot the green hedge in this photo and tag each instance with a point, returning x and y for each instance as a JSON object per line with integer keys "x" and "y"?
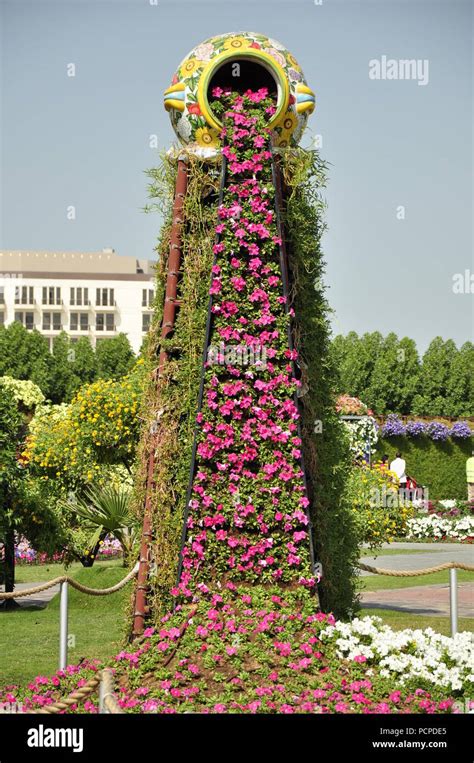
{"x": 439, "y": 466}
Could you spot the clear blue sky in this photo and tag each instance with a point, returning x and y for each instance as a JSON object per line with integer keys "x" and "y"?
{"x": 84, "y": 141}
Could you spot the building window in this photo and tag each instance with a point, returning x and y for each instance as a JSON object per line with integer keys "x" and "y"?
{"x": 2, "y": 295}
{"x": 26, "y": 319}
{"x": 51, "y": 295}
{"x": 105, "y": 322}
{"x": 79, "y": 322}
{"x": 104, "y": 297}
{"x": 146, "y": 320}
{"x": 79, "y": 296}
{"x": 2, "y": 318}
{"x": 147, "y": 297}
{"x": 23, "y": 295}
{"x": 51, "y": 321}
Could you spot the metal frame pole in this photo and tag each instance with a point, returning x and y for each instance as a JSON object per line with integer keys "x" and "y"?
{"x": 63, "y": 625}
{"x": 169, "y": 314}
{"x": 453, "y": 600}
{"x": 102, "y": 694}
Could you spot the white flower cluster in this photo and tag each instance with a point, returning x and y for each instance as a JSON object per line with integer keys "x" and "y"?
{"x": 362, "y": 432}
{"x": 416, "y": 655}
{"x": 434, "y": 526}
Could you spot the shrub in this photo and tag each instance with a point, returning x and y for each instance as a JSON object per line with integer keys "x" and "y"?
{"x": 379, "y": 515}
{"x": 438, "y": 465}
{"x": 76, "y": 444}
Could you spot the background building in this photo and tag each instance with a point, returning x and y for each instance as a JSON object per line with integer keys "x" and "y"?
{"x": 93, "y": 294}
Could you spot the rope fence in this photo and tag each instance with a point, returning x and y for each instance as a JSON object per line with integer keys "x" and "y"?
{"x": 453, "y": 567}
{"x": 64, "y": 581}
{"x": 417, "y": 573}
{"x": 108, "y": 702}
{"x": 74, "y": 584}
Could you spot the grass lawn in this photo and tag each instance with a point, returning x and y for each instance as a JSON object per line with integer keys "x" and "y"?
{"x": 36, "y": 573}
{"x": 29, "y": 638}
{"x": 400, "y": 620}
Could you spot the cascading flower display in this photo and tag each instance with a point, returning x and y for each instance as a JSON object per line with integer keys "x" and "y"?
{"x": 248, "y": 516}
{"x": 249, "y": 644}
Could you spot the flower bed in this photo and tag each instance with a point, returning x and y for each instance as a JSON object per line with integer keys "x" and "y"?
{"x": 25, "y": 554}
{"x": 441, "y": 528}
{"x": 421, "y": 656}
{"x": 264, "y": 650}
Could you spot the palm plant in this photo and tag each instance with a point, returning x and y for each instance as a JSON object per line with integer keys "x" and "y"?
{"x": 108, "y": 511}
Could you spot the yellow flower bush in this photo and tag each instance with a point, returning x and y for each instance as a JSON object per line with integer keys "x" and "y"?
{"x": 77, "y": 443}
{"x": 379, "y": 512}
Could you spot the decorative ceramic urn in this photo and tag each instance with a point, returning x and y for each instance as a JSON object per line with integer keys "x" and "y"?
{"x": 240, "y": 61}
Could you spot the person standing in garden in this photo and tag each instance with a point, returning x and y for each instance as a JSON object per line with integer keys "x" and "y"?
{"x": 398, "y": 467}
{"x": 470, "y": 477}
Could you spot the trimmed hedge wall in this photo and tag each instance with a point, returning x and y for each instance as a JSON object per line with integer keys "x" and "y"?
{"x": 439, "y": 466}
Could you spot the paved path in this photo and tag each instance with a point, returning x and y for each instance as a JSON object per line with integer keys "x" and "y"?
{"x": 423, "y": 599}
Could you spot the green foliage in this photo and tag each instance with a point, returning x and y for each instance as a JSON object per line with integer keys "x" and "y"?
{"x": 434, "y": 381}
{"x": 173, "y": 401}
{"x": 354, "y": 358}
{"x": 326, "y": 448}
{"x": 73, "y": 364}
{"x": 460, "y": 386}
{"x": 63, "y": 386}
{"x": 440, "y": 466}
{"x": 106, "y": 511}
{"x": 395, "y": 376}
{"x": 386, "y": 373}
{"x": 25, "y": 355}
{"x": 12, "y": 427}
{"x": 114, "y": 357}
